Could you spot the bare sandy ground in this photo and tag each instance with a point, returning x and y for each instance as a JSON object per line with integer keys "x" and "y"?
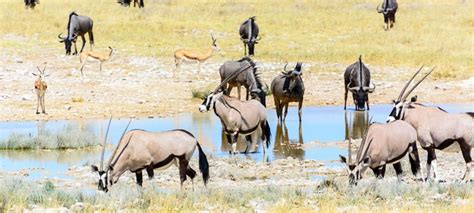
{"x": 134, "y": 86}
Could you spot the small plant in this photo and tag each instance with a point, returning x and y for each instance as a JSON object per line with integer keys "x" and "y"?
{"x": 200, "y": 94}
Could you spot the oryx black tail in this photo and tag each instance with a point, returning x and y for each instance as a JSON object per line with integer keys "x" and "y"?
{"x": 203, "y": 164}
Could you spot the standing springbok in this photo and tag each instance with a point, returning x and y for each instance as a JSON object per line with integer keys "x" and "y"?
{"x": 436, "y": 128}
{"x": 249, "y": 78}
{"x": 192, "y": 55}
{"x": 287, "y": 88}
{"x": 139, "y": 149}
{"x": 388, "y": 9}
{"x": 249, "y": 34}
{"x": 40, "y": 88}
{"x": 384, "y": 144}
{"x": 357, "y": 80}
{"x": 77, "y": 26}
{"x": 238, "y": 117}
{"x": 101, "y": 57}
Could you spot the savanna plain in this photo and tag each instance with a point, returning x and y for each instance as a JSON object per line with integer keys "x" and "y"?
{"x": 138, "y": 81}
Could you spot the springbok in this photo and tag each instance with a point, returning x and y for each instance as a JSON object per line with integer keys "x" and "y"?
{"x": 238, "y": 117}
{"x": 40, "y": 88}
{"x": 101, "y": 57}
{"x": 436, "y": 128}
{"x": 388, "y": 9}
{"x": 383, "y": 144}
{"x": 249, "y": 34}
{"x": 77, "y": 26}
{"x": 139, "y": 149}
{"x": 357, "y": 80}
{"x": 249, "y": 78}
{"x": 192, "y": 55}
{"x": 286, "y": 88}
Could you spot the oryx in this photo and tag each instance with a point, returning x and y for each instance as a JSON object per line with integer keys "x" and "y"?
{"x": 288, "y": 87}
{"x": 436, "y": 128}
{"x": 357, "y": 80}
{"x": 249, "y": 34}
{"x": 77, "y": 26}
{"x": 383, "y": 144}
{"x": 139, "y": 149}
{"x": 238, "y": 117}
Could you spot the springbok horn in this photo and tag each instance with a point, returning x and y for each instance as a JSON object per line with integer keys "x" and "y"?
{"x": 116, "y": 148}
{"x": 103, "y": 146}
{"x": 44, "y": 68}
{"x": 230, "y": 77}
{"x": 39, "y": 70}
{"x": 408, "y": 83}
{"x": 418, "y": 83}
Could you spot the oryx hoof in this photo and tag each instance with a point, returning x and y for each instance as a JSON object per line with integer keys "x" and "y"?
{"x": 37, "y": 112}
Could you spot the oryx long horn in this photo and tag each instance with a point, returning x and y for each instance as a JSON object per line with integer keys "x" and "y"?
{"x": 230, "y": 77}
{"x": 121, "y": 137}
{"x": 408, "y": 83}
{"x": 103, "y": 145}
{"x": 418, "y": 83}
{"x": 349, "y": 153}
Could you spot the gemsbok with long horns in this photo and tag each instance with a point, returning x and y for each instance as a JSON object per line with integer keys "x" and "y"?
{"x": 238, "y": 117}
{"x": 383, "y": 144}
{"x": 357, "y": 81}
{"x": 100, "y": 57}
{"x": 140, "y": 150}
{"x": 40, "y": 88}
{"x": 249, "y": 78}
{"x": 77, "y": 26}
{"x": 288, "y": 87}
{"x": 249, "y": 34}
{"x": 388, "y": 9}
{"x": 199, "y": 56}
{"x": 436, "y": 128}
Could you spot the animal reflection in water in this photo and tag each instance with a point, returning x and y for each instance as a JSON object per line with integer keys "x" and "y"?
{"x": 241, "y": 144}
{"x": 286, "y": 147}
{"x": 355, "y": 124}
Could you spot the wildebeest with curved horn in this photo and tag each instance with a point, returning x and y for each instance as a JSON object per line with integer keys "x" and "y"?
{"x": 436, "y": 128}
{"x": 238, "y": 117}
{"x": 77, "y": 26}
{"x": 135, "y": 2}
{"x": 384, "y": 144}
{"x": 288, "y": 87}
{"x": 140, "y": 150}
{"x": 249, "y": 78}
{"x": 249, "y": 34}
{"x": 357, "y": 80}
{"x": 388, "y": 9}
{"x": 31, "y": 3}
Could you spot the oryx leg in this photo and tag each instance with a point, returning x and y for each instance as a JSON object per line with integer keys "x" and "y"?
{"x": 398, "y": 170}
{"x": 431, "y": 162}
{"x": 300, "y": 105}
{"x": 183, "y": 167}
{"x": 150, "y": 172}
{"x": 466, "y": 153}
{"x": 379, "y": 172}
{"x": 83, "y": 42}
{"x": 414, "y": 160}
{"x": 139, "y": 176}
{"x": 248, "y": 140}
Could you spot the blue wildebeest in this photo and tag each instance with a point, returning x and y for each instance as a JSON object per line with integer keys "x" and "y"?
{"x": 436, "y": 128}
{"x": 388, "y": 9}
{"x": 77, "y": 26}
{"x": 357, "y": 80}
{"x": 249, "y": 34}
{"x": 135, "y": 2}
{"x": 31, "y": 3}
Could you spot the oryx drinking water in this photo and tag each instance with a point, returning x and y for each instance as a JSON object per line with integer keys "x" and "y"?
{"x": 140, "y": 150}
{"x": 436, "y": 128}
{"x": 384, "y": 144}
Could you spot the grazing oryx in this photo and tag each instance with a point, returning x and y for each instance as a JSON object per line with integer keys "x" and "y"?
{"x": 357, "y": 80}
{"x": 238, "y": 117}
{"x": 287, "y": 88}
{"x": 192, "y": 55}
{"x": 249, "y": 34}
{"x": 248, "y": 77}
{"x": 101, "y": 57}
{"x": 389, "y": 8}
{"x": 31, "y": 3}
{"x": 139, "y": 149}
{"x": 381, "y": 145}
{"x": 40, "y": 88}
{"x": 436, "y": 128}
{"x": 77, "y": 26}
{"x": 135, "y": 2}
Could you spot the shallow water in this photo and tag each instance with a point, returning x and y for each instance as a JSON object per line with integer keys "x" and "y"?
{"x": 320, "y": 124}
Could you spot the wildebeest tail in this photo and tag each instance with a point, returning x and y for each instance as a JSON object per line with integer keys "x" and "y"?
{"x": 203, "y": 164}
{"x": 268, "y": 133}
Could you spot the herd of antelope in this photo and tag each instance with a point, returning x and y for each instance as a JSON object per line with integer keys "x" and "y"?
{"x": 410, "y": 123}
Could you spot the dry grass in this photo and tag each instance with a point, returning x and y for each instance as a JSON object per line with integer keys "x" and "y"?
{"x": 427, "y": 31}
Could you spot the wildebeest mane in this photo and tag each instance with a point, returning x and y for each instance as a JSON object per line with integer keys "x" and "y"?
{"x": 73, "y": 13}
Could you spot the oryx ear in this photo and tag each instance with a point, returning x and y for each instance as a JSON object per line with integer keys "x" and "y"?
{"x": 414, "y": 98}
{"x": 343, "y": 159}
{"x": 94, "y": 168}
{"x": 393, "y": 101}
